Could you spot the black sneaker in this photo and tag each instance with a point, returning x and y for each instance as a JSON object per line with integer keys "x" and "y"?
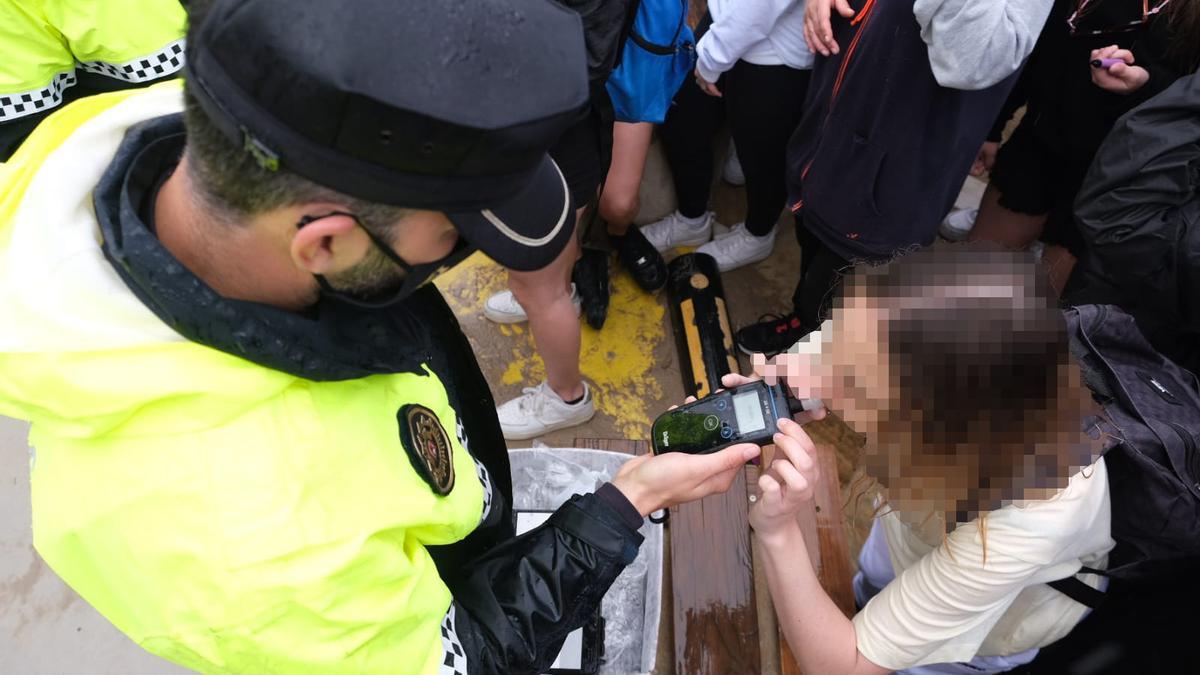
{"x": 591, "y": 282}
{"x": 642, "y": 260}
{"x": 771, "y": 335}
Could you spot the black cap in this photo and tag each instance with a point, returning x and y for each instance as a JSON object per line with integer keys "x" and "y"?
{"x": 447, "y": 105}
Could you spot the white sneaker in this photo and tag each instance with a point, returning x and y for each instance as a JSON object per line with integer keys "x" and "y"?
{"x": 732, "y": 173}
{"x": 504, "y": 308}
{"x": 958, "y": 224}
{"x": 539, "y": 411}
{"x": 739, "y": 248}
{"x": 675, "y": 230}
{"x": 720, "y": 230}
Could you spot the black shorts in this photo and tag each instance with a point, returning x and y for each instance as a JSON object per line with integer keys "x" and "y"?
{"x": 1036, "y": 178}
{"x": 584, "y": 152}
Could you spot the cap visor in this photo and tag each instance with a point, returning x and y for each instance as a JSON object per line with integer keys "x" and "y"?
{"x": 528, "y": 230}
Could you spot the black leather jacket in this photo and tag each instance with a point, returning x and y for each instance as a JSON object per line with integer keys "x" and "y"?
{"x": 1139, "y": 212}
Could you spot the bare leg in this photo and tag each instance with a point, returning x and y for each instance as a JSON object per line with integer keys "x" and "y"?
{"x": 545, "y": 295}
{"x": 619, "y": 202}
{"x": 1002, "y": 226}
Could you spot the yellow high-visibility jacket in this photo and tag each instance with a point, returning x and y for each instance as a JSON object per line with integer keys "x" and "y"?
{"x": 57, "y": 50}
{"x": 238, "y": 514}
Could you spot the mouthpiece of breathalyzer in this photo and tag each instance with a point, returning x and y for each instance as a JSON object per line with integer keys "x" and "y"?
{"x": 796, "y": 405}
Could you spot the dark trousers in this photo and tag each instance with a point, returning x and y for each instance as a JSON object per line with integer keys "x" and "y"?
{"x": 763, "y": 105}
{"x": 820, "y": 278}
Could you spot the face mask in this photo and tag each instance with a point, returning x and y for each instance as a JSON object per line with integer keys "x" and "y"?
{"x": 415, "y": 276}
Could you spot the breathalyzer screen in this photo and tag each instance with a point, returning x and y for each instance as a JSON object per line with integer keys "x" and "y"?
{"x": 749, "y": 412}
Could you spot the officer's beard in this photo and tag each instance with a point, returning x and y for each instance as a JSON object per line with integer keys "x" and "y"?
{"x": 372, "y": 278}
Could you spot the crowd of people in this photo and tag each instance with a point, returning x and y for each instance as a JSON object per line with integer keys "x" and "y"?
{"x": 264, "y": 445}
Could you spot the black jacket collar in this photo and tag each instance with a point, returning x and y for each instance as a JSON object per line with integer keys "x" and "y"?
{"x": 333, "y": 341}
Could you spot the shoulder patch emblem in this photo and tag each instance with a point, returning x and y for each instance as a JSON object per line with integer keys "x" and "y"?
{"x": 428, "y": 446}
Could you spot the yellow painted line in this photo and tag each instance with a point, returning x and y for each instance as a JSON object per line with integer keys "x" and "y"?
{"x": 618, "y": 360}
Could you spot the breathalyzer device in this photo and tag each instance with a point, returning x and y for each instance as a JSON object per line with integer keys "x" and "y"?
{"x": 746, "y": 414}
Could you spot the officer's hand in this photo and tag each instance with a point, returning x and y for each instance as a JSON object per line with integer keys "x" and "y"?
{"x": 653, "y": 482}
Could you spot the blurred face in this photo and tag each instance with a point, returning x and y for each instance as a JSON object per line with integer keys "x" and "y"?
{"x": 848, "y": 371}
{"x": 989, "y": 413}
{"x": 856, "y": 367}
{"x": 862, "y": 383}
{"x": 861, "y": 388}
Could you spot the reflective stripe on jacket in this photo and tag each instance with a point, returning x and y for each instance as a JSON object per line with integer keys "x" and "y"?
{"x": 56, "y": 51}
{"x": 45, "y": 43}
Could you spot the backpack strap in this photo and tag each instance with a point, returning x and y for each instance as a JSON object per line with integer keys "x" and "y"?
{"x": 1078, "y": 591}
{"x": 1093, "y": 375}
{"x": 662, "y": 50}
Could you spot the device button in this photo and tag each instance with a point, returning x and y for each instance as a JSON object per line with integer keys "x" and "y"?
{"x": 722, "y": 404}
{"x": 726, "y": 431}
{"x": 711, "y": 422}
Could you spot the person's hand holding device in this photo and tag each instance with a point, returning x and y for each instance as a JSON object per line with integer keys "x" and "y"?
{"x": 732, "y": 423}
{"x": 1113, "y": 70}
{"x": 788, "y": 482}
{"x": 700, "y": 447}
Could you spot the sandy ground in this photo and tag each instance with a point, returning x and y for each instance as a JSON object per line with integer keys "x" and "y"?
{"x": 45, "y": 628}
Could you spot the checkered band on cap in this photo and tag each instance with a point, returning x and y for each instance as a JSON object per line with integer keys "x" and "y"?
{"x": 21, "y": 104}
{"x": 161, "y": 63}
{"x": 454, "y": 658}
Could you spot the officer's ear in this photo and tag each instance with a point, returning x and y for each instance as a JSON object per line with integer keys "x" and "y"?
{"x": 328, "y": 245}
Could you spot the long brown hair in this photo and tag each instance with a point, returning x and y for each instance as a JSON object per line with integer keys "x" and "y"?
{"x": 974, "y": 337}
{"x": 978, "y": 357}
{"x": 1184, "y": 28}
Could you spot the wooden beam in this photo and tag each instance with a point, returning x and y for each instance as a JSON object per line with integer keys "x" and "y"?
{"x": 712, "y": 576}
{"x": 716, "y": 620}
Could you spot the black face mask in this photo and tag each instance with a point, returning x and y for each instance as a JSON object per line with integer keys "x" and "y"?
{"x": 414, "y": 277}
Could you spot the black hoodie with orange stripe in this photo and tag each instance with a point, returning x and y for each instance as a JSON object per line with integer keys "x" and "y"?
{"x": 882, "y": 150}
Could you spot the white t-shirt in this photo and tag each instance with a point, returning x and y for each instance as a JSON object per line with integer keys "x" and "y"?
{"x": 949, "y": 606}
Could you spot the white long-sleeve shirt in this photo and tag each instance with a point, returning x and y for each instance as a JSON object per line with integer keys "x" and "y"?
{"x": 974, "y": 44}
{"x": 762, "y": 32}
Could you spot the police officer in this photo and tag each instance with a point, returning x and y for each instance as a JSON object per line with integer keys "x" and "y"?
{"x": 263, "y": 444}
{"x": 56, "y": 51}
